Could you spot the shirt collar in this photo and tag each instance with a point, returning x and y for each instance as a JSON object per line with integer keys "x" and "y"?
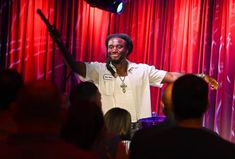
{"x": 130, "y": 66}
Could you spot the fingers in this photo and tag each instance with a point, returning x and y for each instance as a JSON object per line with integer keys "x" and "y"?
{"x": 213, "y": 84}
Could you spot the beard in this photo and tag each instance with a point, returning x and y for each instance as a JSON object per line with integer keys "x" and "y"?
{"x": 115, "y": 62}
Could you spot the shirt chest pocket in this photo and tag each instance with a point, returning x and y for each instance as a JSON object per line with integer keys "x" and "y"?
{"x": 107, "y": 85}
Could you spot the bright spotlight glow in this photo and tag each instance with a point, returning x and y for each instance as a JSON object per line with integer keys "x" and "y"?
{"x": 114, "y": 6}
{"x": 120, "y": 8}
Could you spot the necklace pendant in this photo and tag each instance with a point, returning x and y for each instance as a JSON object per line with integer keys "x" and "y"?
{"x": 123, "y": 86}
{"x": 123, "y": 90}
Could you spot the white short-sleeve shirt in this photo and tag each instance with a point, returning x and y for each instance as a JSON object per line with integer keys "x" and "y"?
{"x": 136, "y": 99}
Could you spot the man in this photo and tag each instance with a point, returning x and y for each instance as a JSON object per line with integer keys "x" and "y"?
{"x": 141, "y": 137}
{"x": 188, "y": 139}
{"x": 123, "y": 83}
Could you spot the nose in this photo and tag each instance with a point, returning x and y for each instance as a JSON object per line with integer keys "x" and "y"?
{"x": 114, "y": 48}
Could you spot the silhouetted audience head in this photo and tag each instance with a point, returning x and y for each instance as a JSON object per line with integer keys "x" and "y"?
{"x": 190, "y": 97}
{"x": 118, "y": 122}
{"x": 83, "y": 125}
{"x": 38, "y": 121}
{"x": 10, "y": 83}
{"x": 38, "y": 100}
{"x": 85, "y": 91}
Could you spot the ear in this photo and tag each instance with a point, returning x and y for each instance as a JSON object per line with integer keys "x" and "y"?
{"x": 127, "y": 53}
{"x": 162, "y": 104}
{"x": 107, "y": 56}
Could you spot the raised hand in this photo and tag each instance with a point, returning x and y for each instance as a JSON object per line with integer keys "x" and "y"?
{"x": 214, "y": 84}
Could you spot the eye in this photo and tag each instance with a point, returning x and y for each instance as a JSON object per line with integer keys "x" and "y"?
{"x": 119, "y": 46}
{"x": 110, "y": 47}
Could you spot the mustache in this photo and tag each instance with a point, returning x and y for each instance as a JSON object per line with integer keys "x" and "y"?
{"x": 108, "y": 58}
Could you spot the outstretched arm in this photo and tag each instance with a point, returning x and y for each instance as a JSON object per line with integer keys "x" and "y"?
{"x": 76, "y": 66}
{"x": 172, "y": 76}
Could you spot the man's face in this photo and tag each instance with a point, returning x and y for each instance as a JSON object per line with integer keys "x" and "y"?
{"x": 117, "y": 50}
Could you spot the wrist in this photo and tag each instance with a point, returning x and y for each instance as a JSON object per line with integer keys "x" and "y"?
{"x": 201, "y": 75}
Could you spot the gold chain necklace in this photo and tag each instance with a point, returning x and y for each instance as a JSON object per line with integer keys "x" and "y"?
{"x": 123, "y": 85}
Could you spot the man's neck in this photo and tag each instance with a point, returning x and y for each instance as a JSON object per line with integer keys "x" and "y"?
{"x": 121, "y": 67}
{"x": 189, "y": 123}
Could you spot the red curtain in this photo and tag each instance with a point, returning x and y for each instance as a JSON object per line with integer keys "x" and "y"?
{"x": 175, "y": 35}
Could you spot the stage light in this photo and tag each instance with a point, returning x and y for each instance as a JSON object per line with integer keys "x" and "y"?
{"x": 114, "y": 6}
